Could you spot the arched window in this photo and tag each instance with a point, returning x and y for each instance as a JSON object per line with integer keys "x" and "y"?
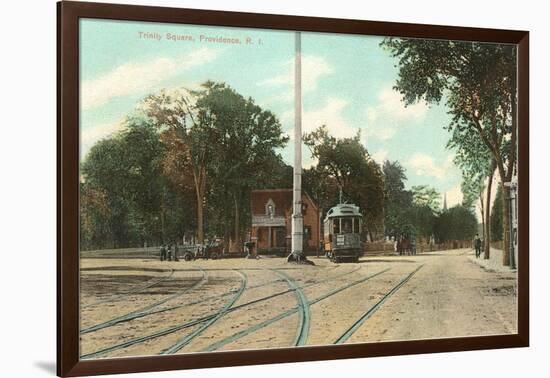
{"x": 270, "y": 208}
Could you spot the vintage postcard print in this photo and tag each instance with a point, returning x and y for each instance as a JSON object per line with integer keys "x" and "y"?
{"x": 255, "y": 189}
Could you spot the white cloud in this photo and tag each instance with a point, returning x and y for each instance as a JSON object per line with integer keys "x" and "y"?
{"x": 329, "y": 114}
{"x": 380, "y": 156}
{"x": 390, "y": 101}
{"x": 454, "y": 196}
{"x": 313, "y": 69}
{"x": 390, "y": 114}
{"x": 424, "y": 165}
{"x": 309, "y": 161}
{"x": 91, "y": 135}
{"x": 136, "y": 78}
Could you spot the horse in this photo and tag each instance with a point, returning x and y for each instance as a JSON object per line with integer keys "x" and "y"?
{"x": 405, "y": 246}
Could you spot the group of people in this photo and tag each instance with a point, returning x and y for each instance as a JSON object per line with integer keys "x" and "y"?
{"x": 167, "y": 253}
{"x": 404, "y": 245}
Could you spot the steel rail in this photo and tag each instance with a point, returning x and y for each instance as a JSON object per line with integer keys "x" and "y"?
{"x": 188, "y": 338}
{"x": 115, "y": 296}
{"x": 141, "y": 314}
{"x": 144, "y": 310}
{"x": 303, "y": 324}
{"x": 359, "y": 322}
{"x": 195, "y": 322}
{"x": 265, "y": 323}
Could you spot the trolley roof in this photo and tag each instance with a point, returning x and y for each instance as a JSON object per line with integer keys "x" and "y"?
{"x": 343, "y": 210}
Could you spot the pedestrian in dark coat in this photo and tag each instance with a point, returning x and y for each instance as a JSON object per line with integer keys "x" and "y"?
{"x": 477, "y": 244}
{"x": 169, "y": 252}
{"x": 176, "y": 252}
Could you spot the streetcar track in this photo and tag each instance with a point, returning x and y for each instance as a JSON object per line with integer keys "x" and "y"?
{"x": 114, "y": 297}
{"x": 122, "y": 268}
{"x": 141, "y": 314}
{"x": 188, "y": 338}
{"x": 203, "y": 319}
{"x": 366, "y": 315}
{"x": 304, "y": 314}
{"x": 146, "y": 309}
{"x": 245, "y": 332}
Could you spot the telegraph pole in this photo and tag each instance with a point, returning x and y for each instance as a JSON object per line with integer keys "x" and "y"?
{"x": 297, "y": 253}
{"x": 512, "y": 221}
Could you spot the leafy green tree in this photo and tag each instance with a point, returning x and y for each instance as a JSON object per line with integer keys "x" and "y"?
{"x": 423, "y": 218}
{"x": 190, "y": 129}
{"x": 95, "y": 214}
{"x": 398, "y": 201}
{"x": 246, "y": 138}
{"x": 478, "y": 83}
{"x": 477, "y": 165}
{"x": 496, "y": 219}
{"x": 471, "y": 190}
{"x": 223, "y": 142}
{"x": 458, "y": 223}
{"x": 425, "y": 195}
{"x": 394, "y": 184}
{"x": 347, "y": 163}
{"x": 121, "y": 176}
{"x": 322, "y": 187}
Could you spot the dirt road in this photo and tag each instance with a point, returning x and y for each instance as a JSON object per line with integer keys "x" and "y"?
{"x": 135, "y": 307}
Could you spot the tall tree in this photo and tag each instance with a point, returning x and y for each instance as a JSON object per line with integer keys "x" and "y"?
{"x": 245, "y": 138}
{"x": 496, "y": 220}
{"x": 347, "y": 162}
{"x": 191, "y": 128}
{"x": 477, "y": 164}
{"x": 425, "y": 195}
{"x": 398, "y": 202}
{"x": 458, "y": 223}
{"x": 478, "y": 81}
{"x": 122, "y": 175}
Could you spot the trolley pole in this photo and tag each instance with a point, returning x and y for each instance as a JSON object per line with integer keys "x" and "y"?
{"x": 297, "y": 253}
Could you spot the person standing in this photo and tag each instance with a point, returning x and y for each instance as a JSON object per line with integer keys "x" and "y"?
{"x": 169, "y": 252}
{"x": 162, "y": 252}
{"x": 477, "y": 244}
{"x": 176, "y": 252}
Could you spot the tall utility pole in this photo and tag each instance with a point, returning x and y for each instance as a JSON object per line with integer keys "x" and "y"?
{"x": 512, "y": 222}
{"x": 297, "y": 253}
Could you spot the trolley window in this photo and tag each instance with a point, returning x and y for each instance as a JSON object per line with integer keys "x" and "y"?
{"x": 336, "y": 225}
{"x": 347, "y": 225}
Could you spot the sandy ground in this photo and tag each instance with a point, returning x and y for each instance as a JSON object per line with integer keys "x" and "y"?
{"x": 449, "y": 296}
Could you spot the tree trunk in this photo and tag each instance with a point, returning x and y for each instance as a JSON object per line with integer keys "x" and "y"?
{"x": 487, "y": 240}
{"x": 162, "y": 224}
{"x": 200, "y": 219}
{"x": 200, "y": 190}
{"x": 482, "y": 210}
{"x": 237, "y": 224}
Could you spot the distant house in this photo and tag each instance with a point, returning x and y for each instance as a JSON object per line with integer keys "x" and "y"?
{"x": 272, "y": 221}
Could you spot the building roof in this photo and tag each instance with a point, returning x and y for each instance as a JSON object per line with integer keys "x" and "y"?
{"x": 282, "y": 199}
{"x": 343, "y": 209}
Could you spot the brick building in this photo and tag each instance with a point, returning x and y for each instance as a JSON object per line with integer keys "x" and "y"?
{"x": 271, "y": 221}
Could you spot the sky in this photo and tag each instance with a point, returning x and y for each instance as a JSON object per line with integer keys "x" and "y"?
{"x": 347, "y": 85}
